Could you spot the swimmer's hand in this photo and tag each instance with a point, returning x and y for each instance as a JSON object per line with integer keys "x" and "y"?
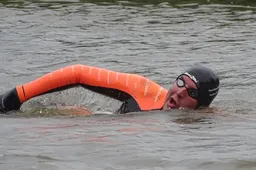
{"x": 2, "y": 111}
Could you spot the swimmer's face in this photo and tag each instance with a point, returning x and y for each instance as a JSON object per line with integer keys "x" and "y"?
{"x": 179, "y": 96}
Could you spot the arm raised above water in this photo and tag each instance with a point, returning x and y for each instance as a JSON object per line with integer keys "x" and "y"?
{"x": 120, "y": 86}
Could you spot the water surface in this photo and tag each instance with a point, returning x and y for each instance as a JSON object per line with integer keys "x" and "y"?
{"x": 156, "y": 40}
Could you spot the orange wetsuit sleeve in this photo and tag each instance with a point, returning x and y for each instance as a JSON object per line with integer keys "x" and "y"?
{"x": 147, "y": 94}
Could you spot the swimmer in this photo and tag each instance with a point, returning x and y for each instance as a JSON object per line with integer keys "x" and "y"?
{"x": 195, "y": 88}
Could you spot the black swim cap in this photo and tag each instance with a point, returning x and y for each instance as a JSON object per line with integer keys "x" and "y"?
{"x": 207, "y": 83}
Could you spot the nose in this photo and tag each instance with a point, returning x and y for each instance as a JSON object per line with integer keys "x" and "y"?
{"x": 182, "y": 92}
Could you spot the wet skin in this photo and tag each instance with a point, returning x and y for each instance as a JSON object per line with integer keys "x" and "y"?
{"x": 178, "y": 97}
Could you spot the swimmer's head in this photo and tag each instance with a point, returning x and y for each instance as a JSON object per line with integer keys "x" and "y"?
{"x": 207, "y": 83}
{"x": 195, "y": 88}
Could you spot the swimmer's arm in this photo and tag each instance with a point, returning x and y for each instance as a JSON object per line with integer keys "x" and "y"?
{"x": 106, "y": 82}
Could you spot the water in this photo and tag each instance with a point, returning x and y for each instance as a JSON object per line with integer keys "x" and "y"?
{"x": 155, "y": 40}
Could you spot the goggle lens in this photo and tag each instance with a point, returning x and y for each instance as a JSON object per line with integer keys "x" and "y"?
{"x": 192, "y": 92}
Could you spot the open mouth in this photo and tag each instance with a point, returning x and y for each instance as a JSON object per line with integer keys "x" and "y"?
{"x": 172, "y": 103}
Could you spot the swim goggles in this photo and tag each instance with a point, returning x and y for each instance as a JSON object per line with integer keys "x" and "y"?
{"x": 192, "y": 92}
